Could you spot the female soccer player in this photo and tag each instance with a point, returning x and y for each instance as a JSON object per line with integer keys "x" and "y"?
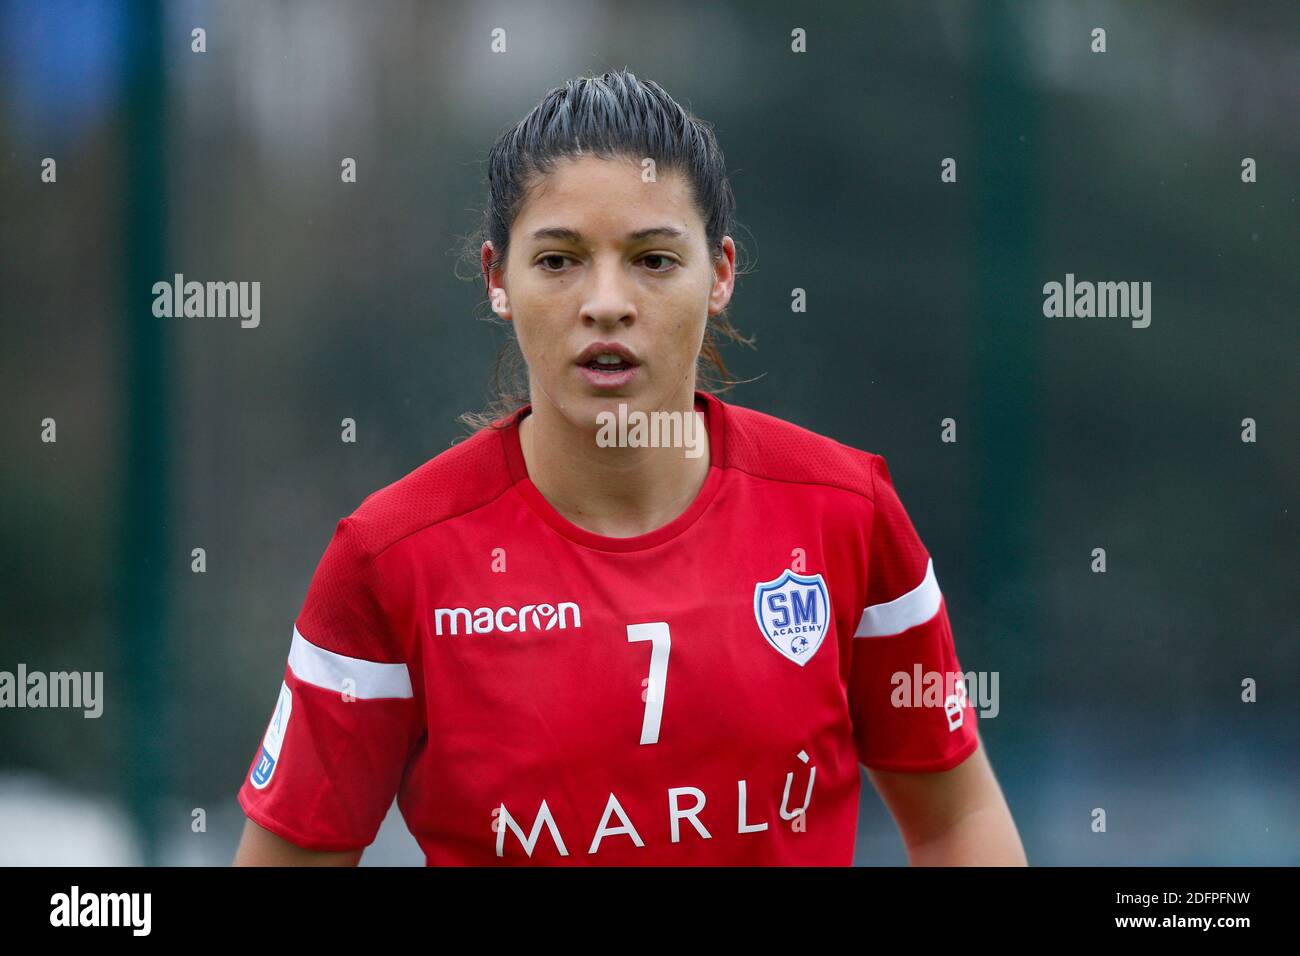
{"x": 627, "y": 622}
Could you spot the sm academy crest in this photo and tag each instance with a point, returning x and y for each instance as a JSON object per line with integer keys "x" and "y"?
{"x": 793, "y": 612}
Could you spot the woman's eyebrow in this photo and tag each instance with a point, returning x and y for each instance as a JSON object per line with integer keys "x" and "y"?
{"x": 572, "y": 235}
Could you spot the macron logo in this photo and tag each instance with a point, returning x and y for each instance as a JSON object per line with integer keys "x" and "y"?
{"x": 485, "y": 620}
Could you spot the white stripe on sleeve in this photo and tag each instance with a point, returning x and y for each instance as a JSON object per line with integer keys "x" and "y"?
{"x": 894, "y": 617}
{"x": 325, "y": 669}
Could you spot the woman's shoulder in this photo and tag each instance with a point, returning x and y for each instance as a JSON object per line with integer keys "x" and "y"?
{"x": 464, "y": 477}
{"x": 765, "y": 446}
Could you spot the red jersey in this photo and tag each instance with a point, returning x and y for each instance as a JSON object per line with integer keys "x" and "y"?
{"x": 535, "y": 693}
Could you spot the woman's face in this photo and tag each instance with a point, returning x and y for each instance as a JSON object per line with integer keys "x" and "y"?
{"x": 603, "y": 264}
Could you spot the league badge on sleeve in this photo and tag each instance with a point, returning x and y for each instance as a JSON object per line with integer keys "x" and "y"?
{"x": 274, "y": 738}
{"x": 793, "y": 612}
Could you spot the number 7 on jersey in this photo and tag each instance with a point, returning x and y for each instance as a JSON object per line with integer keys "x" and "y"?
{"x": 653, "y": 695}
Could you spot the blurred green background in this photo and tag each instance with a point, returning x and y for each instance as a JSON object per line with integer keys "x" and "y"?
{"x": 1119, "y": 690}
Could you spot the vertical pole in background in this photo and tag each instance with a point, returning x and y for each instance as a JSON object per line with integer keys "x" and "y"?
{"x": 144, "y": 562}
{"x": 1008, "y": 356}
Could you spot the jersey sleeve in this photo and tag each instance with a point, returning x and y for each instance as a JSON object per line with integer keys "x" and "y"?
{"x": 907, "y": 698}
{"x": 333, "y": 755}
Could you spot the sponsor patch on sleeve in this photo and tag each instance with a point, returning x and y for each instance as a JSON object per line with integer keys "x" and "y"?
{"x": 274, "y": 738}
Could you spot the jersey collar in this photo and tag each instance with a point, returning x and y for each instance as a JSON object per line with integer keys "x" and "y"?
{"x": 714, "y": 410}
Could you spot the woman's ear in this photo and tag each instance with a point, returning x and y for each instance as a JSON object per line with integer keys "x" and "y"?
{"x": 724, "y": 276}
{"x": 501, "y": 303}
{"x": 497, "y": 294}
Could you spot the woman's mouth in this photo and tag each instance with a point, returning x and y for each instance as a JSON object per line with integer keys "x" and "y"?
{"x": 603, "y": 375}
{"x": 607, "y": 365}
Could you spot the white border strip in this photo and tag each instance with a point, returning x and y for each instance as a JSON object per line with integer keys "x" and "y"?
{"x": 328, "y": 670}
{"x": 894, "y": 617}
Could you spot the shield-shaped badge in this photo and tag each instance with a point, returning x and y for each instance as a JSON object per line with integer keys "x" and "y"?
{"x": 793, "y": 612}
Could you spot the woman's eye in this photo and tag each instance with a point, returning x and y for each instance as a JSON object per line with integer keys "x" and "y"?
{"x": 657, "y": 262}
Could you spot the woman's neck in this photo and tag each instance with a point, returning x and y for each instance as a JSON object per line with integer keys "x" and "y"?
{"x": 617, "y": 491}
